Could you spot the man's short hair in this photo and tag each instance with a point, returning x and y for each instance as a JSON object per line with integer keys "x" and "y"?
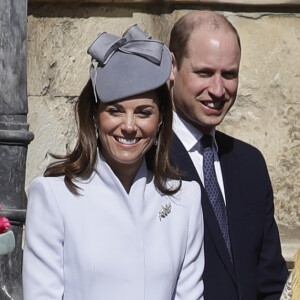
{"x": 184, "y": 27}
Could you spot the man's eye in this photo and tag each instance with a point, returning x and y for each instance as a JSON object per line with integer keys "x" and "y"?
{"x": 204, "y": 74}
{"x": 229, "y": 75}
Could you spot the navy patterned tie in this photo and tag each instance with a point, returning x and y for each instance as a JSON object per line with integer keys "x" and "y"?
{"x": 213, "y": 190}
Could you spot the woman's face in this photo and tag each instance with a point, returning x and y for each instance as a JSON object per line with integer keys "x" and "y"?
{"x": 127, "y": 129}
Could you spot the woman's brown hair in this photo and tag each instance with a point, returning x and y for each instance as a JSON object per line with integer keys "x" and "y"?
{"x": 79, "y": 164}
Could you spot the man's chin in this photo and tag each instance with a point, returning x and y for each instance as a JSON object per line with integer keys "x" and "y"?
{"x": 208, "y": 125}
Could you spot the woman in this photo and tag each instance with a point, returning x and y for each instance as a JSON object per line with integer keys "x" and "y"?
{"x": 111, "y": 220}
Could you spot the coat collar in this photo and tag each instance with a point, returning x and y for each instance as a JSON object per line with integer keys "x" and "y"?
{"x": 107, "y": 176}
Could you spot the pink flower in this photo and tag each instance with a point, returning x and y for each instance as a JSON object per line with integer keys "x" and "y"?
{"x": 4, "y": 223}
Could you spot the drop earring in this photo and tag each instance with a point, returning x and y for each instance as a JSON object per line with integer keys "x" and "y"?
{"x": 96, "y": 131}
{"x": 156, "y": 139}
{"x": 96, "y": 128}
{"x": 157, "y": 134}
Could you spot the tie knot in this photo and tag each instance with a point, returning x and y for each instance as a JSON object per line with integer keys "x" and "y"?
{"x": 206, "y": 141}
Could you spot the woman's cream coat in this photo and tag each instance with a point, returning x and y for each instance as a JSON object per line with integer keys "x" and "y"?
{"x": 110, "y": 245}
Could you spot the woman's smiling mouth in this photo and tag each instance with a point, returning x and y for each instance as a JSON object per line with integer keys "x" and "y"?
{"x": 127, "y": 141}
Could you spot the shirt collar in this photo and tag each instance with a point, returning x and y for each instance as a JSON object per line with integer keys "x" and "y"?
{"x": 188, "y": 134}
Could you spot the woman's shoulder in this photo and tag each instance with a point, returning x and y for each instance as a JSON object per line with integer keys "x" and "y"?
{"x": 191, "y": 184}
{"x": 188, "y": 195}
{"x": 190, "y": 188}
{"x": 52, "y": 184}
{"x": 185, "y": 184}
{"x": 41, "y": 180}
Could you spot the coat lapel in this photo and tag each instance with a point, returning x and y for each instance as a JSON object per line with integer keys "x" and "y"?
{"x": 180, "y": 158}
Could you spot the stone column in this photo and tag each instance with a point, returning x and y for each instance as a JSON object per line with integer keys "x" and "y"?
{"x": 14, "y": 136}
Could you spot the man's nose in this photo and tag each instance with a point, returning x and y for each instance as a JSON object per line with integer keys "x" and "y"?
{"x": 129, "y": 123}
{"x": 217, "y": 87}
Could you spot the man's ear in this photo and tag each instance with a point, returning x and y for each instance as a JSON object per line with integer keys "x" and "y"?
{"x": 174, "y": 68}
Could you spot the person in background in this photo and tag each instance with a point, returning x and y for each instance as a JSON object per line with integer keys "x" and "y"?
{"x": 7, "y": 237}
{"x": 112, "y": 219}
{"x": 291, "y": 289}
{"x": 241, "y": 242}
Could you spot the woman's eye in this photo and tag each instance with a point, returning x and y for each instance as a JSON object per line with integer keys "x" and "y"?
{"x": 145, "y": 113}
{"x": 113, "y": 111}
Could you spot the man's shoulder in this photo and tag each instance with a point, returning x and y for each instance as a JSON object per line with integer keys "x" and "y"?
{"x": 240, "y": 150}
{"x": 225, "y": 141}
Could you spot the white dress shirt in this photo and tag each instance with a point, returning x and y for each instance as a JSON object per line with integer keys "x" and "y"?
{"x": 190, "y": 138}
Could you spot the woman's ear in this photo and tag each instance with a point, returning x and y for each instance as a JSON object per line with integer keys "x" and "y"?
{"x": 174, "y": 68}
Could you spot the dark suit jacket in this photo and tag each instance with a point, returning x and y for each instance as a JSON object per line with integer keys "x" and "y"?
{"x": 259, "y": 270}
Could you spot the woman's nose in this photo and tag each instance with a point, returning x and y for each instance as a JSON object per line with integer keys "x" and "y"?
{"x": 129, "y": 123}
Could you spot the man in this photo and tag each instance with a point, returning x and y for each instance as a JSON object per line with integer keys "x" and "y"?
{"x": 242, "y": 249}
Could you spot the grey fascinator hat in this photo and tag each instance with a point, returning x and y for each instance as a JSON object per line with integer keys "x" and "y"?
{"x": 125, "y": 66}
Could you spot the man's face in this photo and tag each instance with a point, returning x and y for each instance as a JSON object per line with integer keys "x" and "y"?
{"x": 205, "y": 86}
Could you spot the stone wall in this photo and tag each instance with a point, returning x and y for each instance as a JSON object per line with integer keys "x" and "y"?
{"x": 266, "y": 113}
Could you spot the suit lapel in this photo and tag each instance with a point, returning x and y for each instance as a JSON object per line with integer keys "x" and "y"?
{"x": 180, "y": 158}
{"x": 232, "y": 186}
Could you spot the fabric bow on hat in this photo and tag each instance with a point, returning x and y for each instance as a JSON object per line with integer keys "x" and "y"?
{"x": 126, "y": 66}
{"x": 134, "y": 41}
